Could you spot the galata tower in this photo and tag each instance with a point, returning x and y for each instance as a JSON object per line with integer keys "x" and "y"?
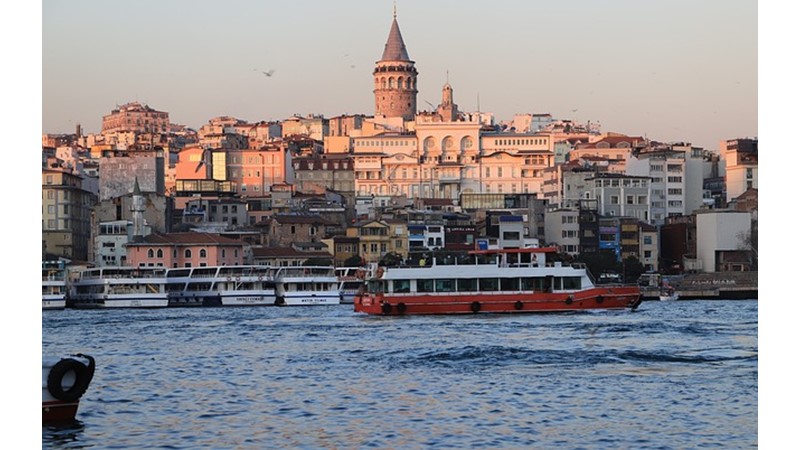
{"x": 395, "y": 79}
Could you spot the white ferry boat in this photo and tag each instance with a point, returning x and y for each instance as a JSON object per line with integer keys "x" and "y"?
{"x": 221, "y": 286}
{"x": 120, "y": 287}
{"x": 351, "y": 280}
{"x": 54, "y": 285}
{"x": 311, "y": 285}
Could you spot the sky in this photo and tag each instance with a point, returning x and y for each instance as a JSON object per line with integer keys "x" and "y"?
{"x": 670, "y": 70}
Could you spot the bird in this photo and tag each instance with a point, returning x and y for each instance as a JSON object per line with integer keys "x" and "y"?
{"x": 269, "y": 74}
{"x": 574, "y": 110}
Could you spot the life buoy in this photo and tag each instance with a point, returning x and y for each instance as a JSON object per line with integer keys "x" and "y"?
{"x": 386, "y": 308}
{"x": 401, "y": 308}
{"x": 83, "y": 376}
{"x": 229, "y": 278}
{"x": 238, "y": 278}
{"x": 475, "y": 306}
{"x": 261, "y": 278}
{"x": 379, "y": 272}
{"x": 518, "y": 305}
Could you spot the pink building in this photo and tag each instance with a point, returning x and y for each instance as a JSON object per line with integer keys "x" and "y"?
{"x": 186, "y": 250}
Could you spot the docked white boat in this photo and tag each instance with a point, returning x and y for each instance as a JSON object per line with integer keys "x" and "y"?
{"x": 64, "y": 381}
{"x": 312, "y": 285}
{"x": 54, "y": 285}
{"x": 120, "y": 287}
{"x": 221, "y": 286}
{"x": 351, "y": 281}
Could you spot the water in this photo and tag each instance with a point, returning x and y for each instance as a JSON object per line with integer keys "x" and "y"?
{"x": 670, "y": 375}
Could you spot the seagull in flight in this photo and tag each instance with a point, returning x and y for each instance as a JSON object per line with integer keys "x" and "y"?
{"x": 269, "y": 74}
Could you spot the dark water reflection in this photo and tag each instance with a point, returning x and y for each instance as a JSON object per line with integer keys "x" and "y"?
{"x": 671, "y": 375}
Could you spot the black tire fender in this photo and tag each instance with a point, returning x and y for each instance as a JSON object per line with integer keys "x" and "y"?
{"x": 518, "y": 305}
{"x": 386, "y": 308}
{"x": 401, "y": 308}
{"x": 83, "y": 376}
{"x": 475, "y": 306}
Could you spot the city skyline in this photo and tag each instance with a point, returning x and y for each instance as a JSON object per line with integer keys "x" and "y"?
{"x": 682, "y": 77}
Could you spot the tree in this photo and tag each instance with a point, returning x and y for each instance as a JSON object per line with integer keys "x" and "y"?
{"x": 632, "y": 269}
{"x": 353, "y": 261}
{"x": 391, "y": 259}
{"x": 599, "y": 262}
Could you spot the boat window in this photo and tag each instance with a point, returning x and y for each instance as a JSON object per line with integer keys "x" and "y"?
{"x": 572, "y": 282}
{"x": 488, "y": 284}
{"x": 509, "y": 284}
{"x": 376, "y": 287}
{"x": 468, "y": 285}
{"x": 447, "y": 285}
{"x": 527, "y": 284}
{"x": 402, "y": 285}
{"x": 424, "y": 285}
{"x": 199, "y": 287}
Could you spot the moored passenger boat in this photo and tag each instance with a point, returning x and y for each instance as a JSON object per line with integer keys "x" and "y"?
{"x": 498, "y": 281}
{"x": 307, "y": 285}
{"x": 221, "y": 286}
{"x": 54, "y": 285}
{"x": 119, "y": 287}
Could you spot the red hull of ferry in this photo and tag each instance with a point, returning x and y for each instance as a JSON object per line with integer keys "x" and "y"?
{"x": 611, "y": 298}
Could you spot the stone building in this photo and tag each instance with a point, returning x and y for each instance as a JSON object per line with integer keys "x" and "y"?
{"x": 136, "y": 117}
{"x": 395, "y": 79}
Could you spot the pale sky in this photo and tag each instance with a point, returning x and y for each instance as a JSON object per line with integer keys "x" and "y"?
{"x": 671, "y": 70}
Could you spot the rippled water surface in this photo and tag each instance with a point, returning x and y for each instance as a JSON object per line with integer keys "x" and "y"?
{"x": 670, "y": 375}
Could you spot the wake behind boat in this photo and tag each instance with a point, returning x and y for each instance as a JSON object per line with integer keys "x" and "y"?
{"x": 499, "y": 281}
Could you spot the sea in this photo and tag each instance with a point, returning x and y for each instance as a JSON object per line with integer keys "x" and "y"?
{"x": 670, "y": 375}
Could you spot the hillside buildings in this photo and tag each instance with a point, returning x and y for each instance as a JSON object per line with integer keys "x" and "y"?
{"x": 402, "y": 182}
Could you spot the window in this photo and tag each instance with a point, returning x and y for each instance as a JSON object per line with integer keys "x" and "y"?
{"x": 402, "y": 286}
{"x": 424, "y": 285}
{"x": 202, "y": 253}
{"x": 447, "y": 285}
{"x": 488, "y": 284}
{"x": 150, "y": 253}
{"x": 187, "y": 253}
{"x": 160, "y": 253}
{"x": 509, "y": 284}
{"x": 469, "y": 285}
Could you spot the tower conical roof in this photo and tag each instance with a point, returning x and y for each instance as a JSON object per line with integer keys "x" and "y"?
{"x": 395, "y": 49}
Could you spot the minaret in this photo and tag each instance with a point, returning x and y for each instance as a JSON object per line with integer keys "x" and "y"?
{"x": 137, "y": 210}
{"x": 395, "y": 78}
{"x": 447, "y": 109}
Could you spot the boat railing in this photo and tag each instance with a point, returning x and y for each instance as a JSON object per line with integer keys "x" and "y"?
{"x": 54, "y": 276}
